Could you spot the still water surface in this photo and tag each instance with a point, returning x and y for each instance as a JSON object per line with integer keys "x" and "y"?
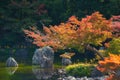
{"x": 26, "y": 73}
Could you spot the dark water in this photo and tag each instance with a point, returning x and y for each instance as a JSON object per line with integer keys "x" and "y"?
{"x": 26, "y": 73}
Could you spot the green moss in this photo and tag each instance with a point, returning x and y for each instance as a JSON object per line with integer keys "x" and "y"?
{"x": 80, "y": 69}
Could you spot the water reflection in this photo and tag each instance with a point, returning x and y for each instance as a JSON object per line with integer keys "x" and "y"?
{"x": 42, "y": 73}
{"x": 11, "y": 70}
{"x": 28, "y": 73}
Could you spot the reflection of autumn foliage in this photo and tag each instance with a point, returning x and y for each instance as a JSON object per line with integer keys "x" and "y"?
{"x": 74, "y": 33}
{"x": 110, "y": 65}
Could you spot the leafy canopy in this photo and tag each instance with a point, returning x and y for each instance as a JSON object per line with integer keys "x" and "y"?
{"x": 110, "y": 65}
{"x": 74, "y": 33}
{"x": 116, "y": 25}
{"x": 114, "y": 46}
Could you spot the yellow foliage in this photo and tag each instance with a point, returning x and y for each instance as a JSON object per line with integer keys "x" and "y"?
{"x": 67, "y": 55}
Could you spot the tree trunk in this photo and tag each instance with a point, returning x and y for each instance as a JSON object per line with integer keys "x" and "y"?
{"x": 95, "y": 51}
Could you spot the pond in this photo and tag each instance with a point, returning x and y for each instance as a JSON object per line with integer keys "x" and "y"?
{"x": 26, "y": 73}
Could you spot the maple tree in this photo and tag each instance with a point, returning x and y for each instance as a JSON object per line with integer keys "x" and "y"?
{"x": 116, "y": 25}
{"x": 74, "y": 33}
{"x": 113, "y": 45}
{"x": 110, "y": 65}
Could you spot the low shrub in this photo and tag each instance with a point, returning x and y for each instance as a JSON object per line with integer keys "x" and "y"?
{"x": 80, "y": 69}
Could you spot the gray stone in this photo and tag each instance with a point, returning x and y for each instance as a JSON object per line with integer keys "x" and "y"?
{"x": 84, "y": 78}
{"x": 67, "y": 78}
{"x": 11, "y": 62}
{"x": 60, "y": 78}
{"x": 43, "y": 57}
{"x": 78, "y": 79}
{"x": 71, "y": 78}
{"x": 116, "y": 74}
{"x": 96, "y": 73}
{"x": 61, "y": 72}
{"x": 66, "y": 61}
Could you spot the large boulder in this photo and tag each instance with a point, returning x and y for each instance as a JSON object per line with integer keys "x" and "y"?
{"x": 43, "y": 57}
{"x": 11, "y": 62}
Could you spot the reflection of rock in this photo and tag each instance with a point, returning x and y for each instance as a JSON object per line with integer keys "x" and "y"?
{"x": 11, "y": 70}
{"x": 43, "y": 57}
{"x": 42, "y": 73}
{"x": 11, "y": 62}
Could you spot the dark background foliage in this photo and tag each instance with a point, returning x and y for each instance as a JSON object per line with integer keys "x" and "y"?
{"x": 16, "y": 15}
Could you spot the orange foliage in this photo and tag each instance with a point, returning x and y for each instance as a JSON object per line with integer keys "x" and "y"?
{"x": 111, "y": 65}
{"x": 107, "y": 45}
{"x": 67, "y": 55}
{"x": 74, "y": 33}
